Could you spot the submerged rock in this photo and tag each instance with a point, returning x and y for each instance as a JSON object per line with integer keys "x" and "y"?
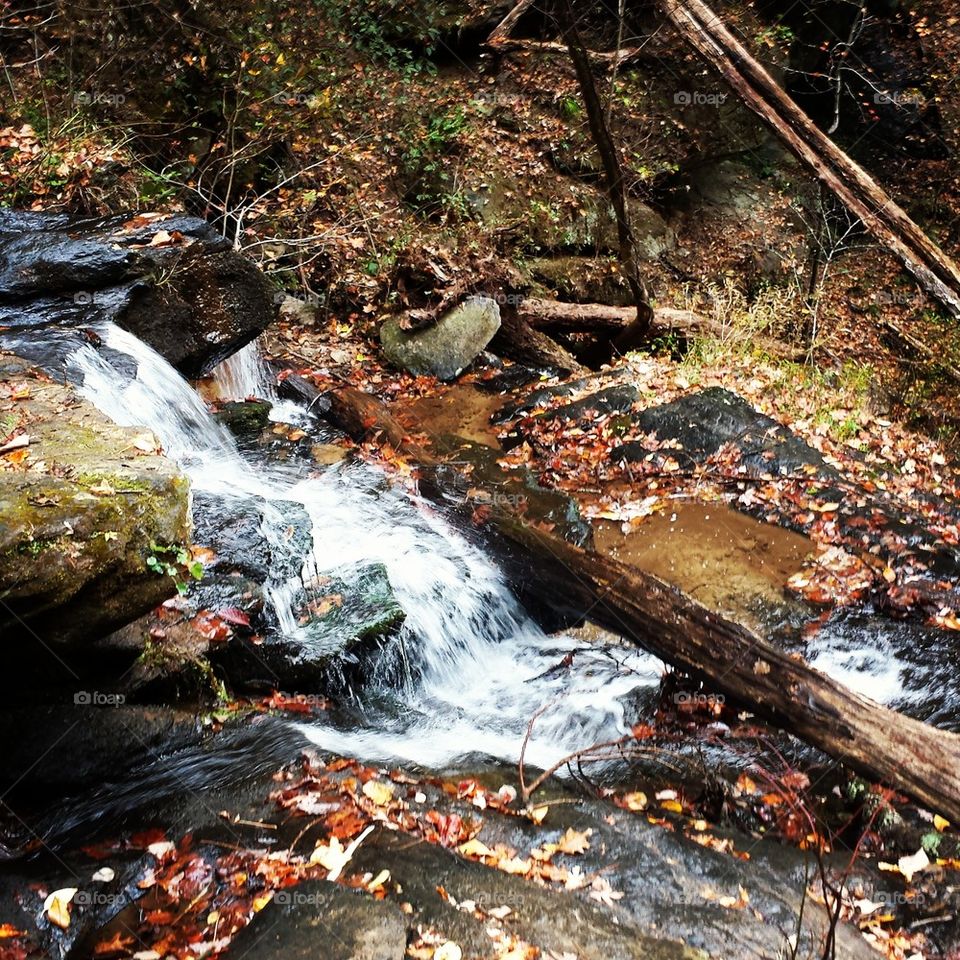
{"x": 245, "y": 419}
{"x": 172, "y": 281}
{"x": 92, "y": 519}
{"x": 443, "y": 349}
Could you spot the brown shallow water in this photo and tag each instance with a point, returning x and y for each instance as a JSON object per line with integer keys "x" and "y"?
{"x": 727, "y": 561}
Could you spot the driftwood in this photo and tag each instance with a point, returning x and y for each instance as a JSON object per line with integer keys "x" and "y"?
{"x": 889, "y": 224}
{"x": 522, "y": 341}
{"x": 879, "y": 743}
{"x": 557, "y": 316}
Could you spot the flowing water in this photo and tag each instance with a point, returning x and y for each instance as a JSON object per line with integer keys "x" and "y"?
{"x": 478, "y": 669}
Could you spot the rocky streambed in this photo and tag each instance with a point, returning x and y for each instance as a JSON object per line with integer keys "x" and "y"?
{"x": 246, "y": 659}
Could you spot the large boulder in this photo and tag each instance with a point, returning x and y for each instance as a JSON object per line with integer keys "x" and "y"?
{"x": 172, "y": 281}
{"x": 92, "y": 518}
{"x": 553, "y": 214}
{"x": 446, "y": 347}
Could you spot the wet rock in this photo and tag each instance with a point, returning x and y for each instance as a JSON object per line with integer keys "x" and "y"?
{"x": 703, "y": 422}
{"x": 245, "y": 418}
{"x": 445, "y": 348}
{"x": 172, "y": 281}
{"x": 619, "y": 398}
{"x": 554, "y": 921}
{"x": 85, "y": 521}
{"x": 671, "y": 888}
{"x": 616, "y": 399}
{"x": 511, "y": 378}
{"x": 94, "y": 905}
{"x": 339, "y": 618}
{"x": 252, "y": 538}
{"x": 471, "y": 473}
{"x": 91, "y": 737}
{"x": 318, "y": 918}
{"x": 706, "y": 421}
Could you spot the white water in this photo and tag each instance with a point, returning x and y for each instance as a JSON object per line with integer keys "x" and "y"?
{"x": 480, "y": 662}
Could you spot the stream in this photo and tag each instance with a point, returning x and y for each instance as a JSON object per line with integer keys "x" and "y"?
{"x": 453, "y": 693}
{"x": 476, "y": 668}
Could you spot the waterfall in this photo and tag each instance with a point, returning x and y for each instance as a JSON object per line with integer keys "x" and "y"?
{"x": 483, "y": 668}
{"x": 244, "y": 375}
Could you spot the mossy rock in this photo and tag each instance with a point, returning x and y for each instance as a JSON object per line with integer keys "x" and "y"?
{"x": 554, "y": 214}
{"x": 81, "y": 516}
{"x": 338, "y": 617}
{"x": 245, "y": 419}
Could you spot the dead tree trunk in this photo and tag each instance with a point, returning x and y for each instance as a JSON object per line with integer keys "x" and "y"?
{"x": 879, "y": 743}
{"x": 613, "y": 170}
{"x": 599, "y": 318}
{"x": 706, "y": 33}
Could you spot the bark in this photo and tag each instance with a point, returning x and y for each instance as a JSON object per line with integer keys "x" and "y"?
{"x": 505, "y": 26}
{"x": 879, "y": 743}
{"x": 613, "y": 170}
{"x": 888, "y": 223}
{"x": 557, "y": 316}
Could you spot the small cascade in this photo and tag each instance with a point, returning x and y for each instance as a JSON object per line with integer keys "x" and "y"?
{"x": 478, "y": 669}
{"x": 244, "y": 375}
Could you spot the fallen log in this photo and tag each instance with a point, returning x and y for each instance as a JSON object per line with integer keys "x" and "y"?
{"x": 521, "y": 341}
{"x": 879, "y": 743}
{"x": 555, "y": 315}
{"x": 705, "y": 31}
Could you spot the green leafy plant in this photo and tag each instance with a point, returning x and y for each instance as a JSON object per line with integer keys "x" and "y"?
{"x": 174, "y": 562}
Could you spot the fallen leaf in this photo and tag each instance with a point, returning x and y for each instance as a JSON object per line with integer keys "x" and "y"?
{"x": 380, "y": 793}
{"x": 574, "y": 841}
{"x": 57, "y": 906}
{"x": 475, "y": 848}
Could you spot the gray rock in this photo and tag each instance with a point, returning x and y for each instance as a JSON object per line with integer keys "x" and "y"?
{"x": 321, "y": 919}
{"x": 339, "y": 617}
{"x": 448, "y": 346}
{"x": 703, "y": 422}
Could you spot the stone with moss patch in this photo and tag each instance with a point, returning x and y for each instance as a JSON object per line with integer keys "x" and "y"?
{"x": 80, "y": 517}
